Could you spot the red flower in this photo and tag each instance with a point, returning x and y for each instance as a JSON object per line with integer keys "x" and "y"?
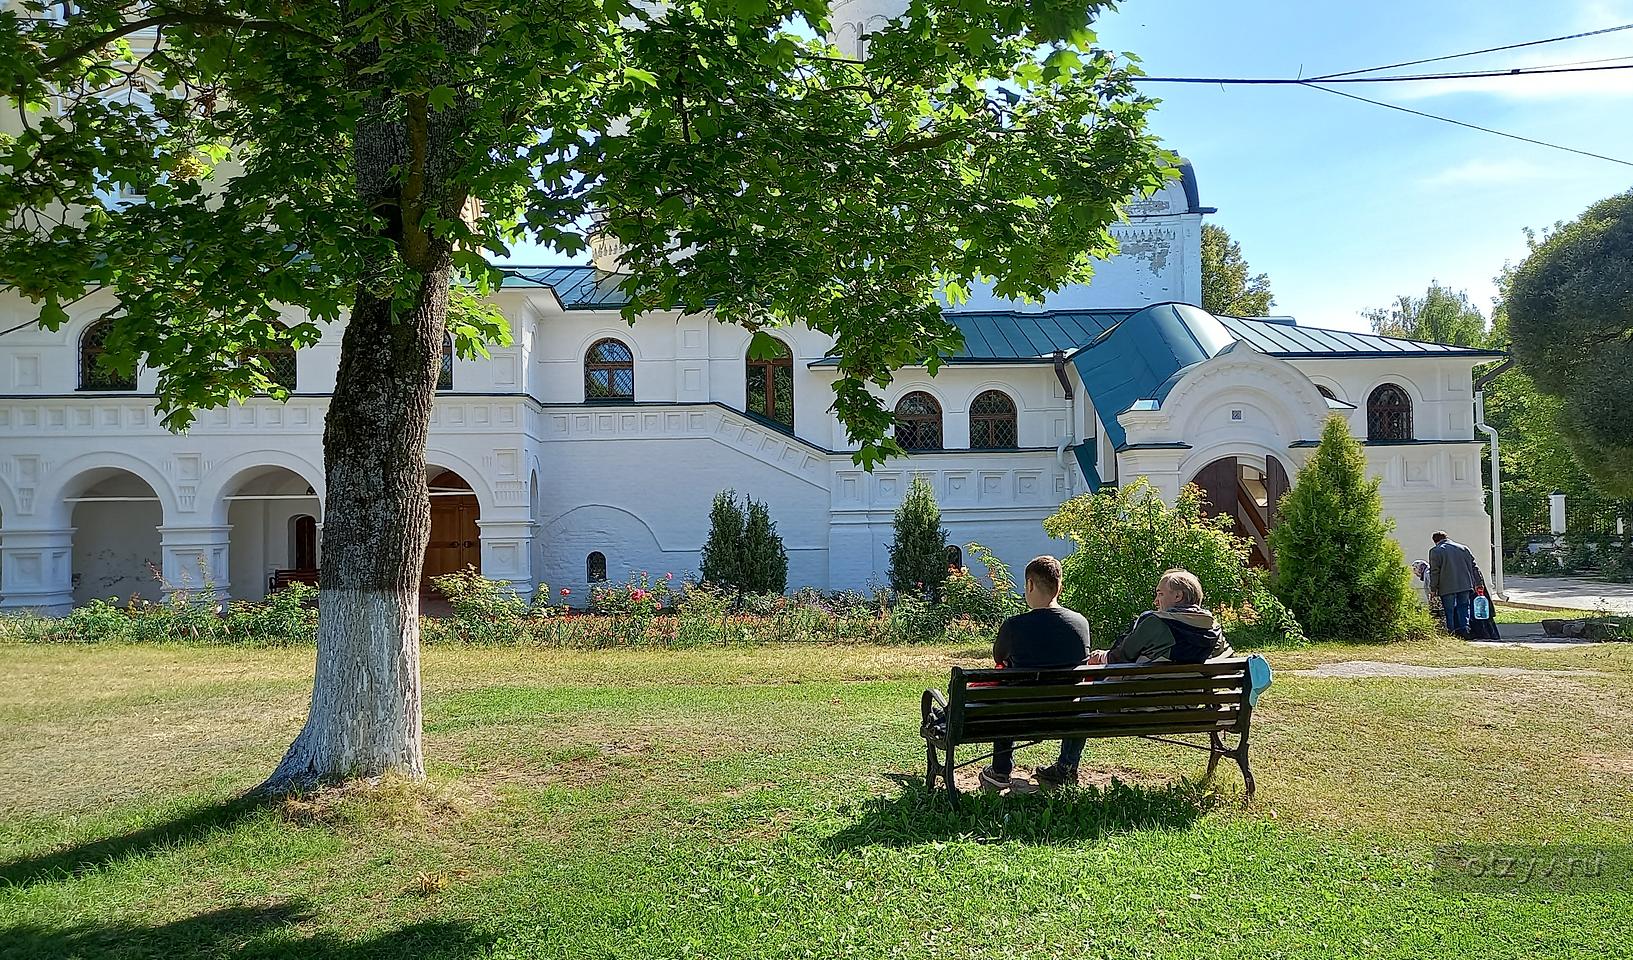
{"x": 566, "y": 592}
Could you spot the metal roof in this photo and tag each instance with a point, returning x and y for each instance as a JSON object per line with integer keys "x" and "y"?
{"x": 1000, "y": 336}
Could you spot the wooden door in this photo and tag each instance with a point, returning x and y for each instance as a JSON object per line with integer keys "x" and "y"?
{"x": 1276, "y": 486}
{"x": 1218, "y": 482}
{"x": 456, "y": 541}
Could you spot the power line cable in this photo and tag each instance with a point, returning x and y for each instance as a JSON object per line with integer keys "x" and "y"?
{"x": 1476, "y": 53}
{"x": 1471, "y": 126}
{"x": 1405, "y": 78}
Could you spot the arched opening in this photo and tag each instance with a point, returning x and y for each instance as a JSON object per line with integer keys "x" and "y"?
{"x": 992, "y": 422}
{"x": 609, "y": 371}
{"x": 263, "y": 507}
{"x": 456, "y": 540}
{"x": 93, "y": 373}
{"x": 303, "y": 552}
{"x": 445, "y": 373}
{"x": 1326, "y": 392}
{"x": 770, "y": 386}
{"x": 595, "y": 567}
{"x": 116, "y": 556}
{"x": 955, "y": 558}
{"x": 918, "y": 422}
{"x": 1249, "y": 496}
{"x": 1389, "y": 413}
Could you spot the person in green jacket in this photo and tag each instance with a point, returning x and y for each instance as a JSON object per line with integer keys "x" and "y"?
{"x": 1176, "y": 630}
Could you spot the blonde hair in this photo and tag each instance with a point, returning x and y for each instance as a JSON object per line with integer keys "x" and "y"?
{"x": 1185, "y": 583}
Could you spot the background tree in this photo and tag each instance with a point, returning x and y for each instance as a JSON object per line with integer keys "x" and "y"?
{"x": 721, "y": 563}
{"x": 1338, "y": 568}
{"x": 918, "y": 552}
{"x": 1227, "y": 289}
{"x": 1570, "y": 314}
{"x": 765, "y": 561}
{"x": 1441, "y": 315}
{"x": 297, "y": 162}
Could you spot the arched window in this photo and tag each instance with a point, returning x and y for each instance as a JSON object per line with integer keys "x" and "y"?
{"x": 992, "y": 422}
{"x": 595, "y": 567}
{"x": 771, "y": 387}
{"x": 278, "y": 364}
{"x": 92, "y": 374}
{"x": 955, "y": 557}
{"x": 445, "y": 373}
{"x": 1389, "y": 413}
{"x": 918, "y": 422}
{"x": 609, "y": 371}
{"x": 1326, "y": 392}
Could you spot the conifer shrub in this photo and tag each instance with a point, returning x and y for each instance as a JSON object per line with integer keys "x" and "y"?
{"x": 918, "y": 552}
{"x": 743, "y": 555}
{"x": 1338, "y": 567}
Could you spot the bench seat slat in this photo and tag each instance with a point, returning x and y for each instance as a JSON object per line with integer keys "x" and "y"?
{"x": 1092, "y": 717}
{"x": 1234, "y": 665}
{"x": 977, "y": 710}
{"x": 988, "y": 732}
{"x": 1107, "y": 688}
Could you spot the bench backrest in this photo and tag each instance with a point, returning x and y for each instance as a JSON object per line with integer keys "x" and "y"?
{"x": 1127, "y": 700}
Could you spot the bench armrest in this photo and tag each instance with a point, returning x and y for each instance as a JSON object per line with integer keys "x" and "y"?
{"x": 932, "y": 711}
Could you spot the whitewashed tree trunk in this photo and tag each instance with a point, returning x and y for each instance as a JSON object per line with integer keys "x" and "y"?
{"x": 365, "y": 712}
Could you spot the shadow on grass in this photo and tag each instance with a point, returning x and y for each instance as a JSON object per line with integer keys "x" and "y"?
{"x": 244, "y": 933}
{"x": 1088, "y": 814}
{"x": 193, "y": 825}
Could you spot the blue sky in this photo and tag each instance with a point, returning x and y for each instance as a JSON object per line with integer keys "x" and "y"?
{"x": 1347, "y": 205}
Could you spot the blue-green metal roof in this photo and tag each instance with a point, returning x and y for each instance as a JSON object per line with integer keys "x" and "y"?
{"x": 577, "y": 287}
{"x": 1141, "y": 358}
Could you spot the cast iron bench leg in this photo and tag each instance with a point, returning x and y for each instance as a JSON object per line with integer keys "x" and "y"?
{"x": 1241, "y": 761}
{"x": 947, "y": 774}
{"x": 1215, "y": 751}
{"x": 932, "y": 765}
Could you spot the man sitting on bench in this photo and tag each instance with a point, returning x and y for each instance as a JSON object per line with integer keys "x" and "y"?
{"x": 1175, "y": 630}
{"x": 1046, "y": 636}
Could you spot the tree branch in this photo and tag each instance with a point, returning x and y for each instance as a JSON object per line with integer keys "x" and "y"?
{"x": 177, "y": 18}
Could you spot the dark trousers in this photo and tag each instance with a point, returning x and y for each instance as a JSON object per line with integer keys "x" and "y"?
{"x": 1459, "y": 611}
{"x": 1003, "y": 755}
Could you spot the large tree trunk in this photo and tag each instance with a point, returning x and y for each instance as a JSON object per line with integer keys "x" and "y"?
{"x": 365, "y": 711}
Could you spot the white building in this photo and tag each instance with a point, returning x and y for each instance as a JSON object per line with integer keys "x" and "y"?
{"x": 592, "y": 448}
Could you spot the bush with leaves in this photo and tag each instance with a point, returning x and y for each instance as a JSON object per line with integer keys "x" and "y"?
{"x": 1338, "y": 566}
{"x": 722, "y": 559}
{"x": 918, "y": 552}
{"x": 1123, "y": 538}
{"x": 965, "y": 595}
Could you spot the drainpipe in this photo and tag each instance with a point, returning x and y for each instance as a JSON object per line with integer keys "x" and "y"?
{"x": 1071, "y": 420}
{"x": 1496, "y": 474}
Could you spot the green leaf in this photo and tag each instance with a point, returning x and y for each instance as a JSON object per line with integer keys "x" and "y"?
{"x": 440, "y": 98}
{"x": 641, "y": 76}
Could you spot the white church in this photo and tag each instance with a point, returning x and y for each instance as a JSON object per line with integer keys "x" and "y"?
{"x": 590, "y": 448}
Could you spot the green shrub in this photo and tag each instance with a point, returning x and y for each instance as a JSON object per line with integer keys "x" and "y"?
{"x": 918, "y": 552}
{"x": 966, "y": 596}
{"x": 285, "y": 618}
{"x": 743, "y": 553}
{"x": 1338, "y": 567}
{"x": 764, "y": 566}
{"x": 1123, "y": 539}
{"x": 1261, "y": 621}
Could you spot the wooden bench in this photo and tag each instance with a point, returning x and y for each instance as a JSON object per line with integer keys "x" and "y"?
{"x": 283, "y": 578}
{"x": 1152, "y": 700}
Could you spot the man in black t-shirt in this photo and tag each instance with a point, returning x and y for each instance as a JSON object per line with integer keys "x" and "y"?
{"x": 1046, "y": 636}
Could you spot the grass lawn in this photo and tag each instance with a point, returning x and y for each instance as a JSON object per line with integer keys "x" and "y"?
{"x": 1508, "y": 614}
{"x": 762, "y": 803}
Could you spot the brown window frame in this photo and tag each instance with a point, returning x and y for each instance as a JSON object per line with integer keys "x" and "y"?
{"x": 919, "y": 423}
{"x": 995, "y": 422}
{"x": 592, "y": 366}
{"x": 93, "y": 376}
{"x": 1389, "y": 419}
{"x": 767, "y": 372}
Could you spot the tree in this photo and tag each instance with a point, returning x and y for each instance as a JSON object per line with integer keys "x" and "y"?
{"x": 219, "y": 179}
{"x": 1570, "y": 314}
{"x": 1227, "y": 290}
{"x": 1441, "y": 315}
{"x": 1123, "y": 538}
{"x": 722, "y": 561}
{"x": 918, "y": 552}
{"x": 1338, "y": 567}
{"x": 765, "y": 562}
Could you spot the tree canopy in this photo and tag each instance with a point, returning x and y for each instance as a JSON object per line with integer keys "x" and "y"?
{"x": 1570, "y": 314}
{"x": 1441, "y": 315}
{"x": 1227, "y": 288}
{"x": 978, "y": 140}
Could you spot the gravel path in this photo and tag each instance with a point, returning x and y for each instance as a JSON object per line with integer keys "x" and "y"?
{"x": 1377, "y": 668}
